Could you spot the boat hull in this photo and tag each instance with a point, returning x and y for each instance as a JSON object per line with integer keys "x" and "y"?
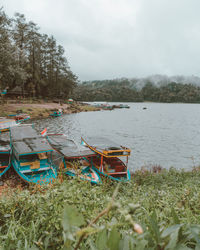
{"x": 74, "y": 161}
{"x": 84, "y": 173}
{"x": 113, "y": 168}
{"x": 39, "y": 176}
{"x": 5, "y": 164}
{"x": 5, "y": 153}
{"x": 56, "y": 114}
{"x": 123, "y": 179}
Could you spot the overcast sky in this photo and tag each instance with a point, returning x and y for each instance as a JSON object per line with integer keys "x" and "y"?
{"x": 106, "y": 39}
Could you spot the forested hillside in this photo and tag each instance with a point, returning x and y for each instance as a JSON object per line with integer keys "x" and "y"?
{"x": 37, "y": 64}
{"x": 156, "y": 89}
{"x": 32, "y": 60}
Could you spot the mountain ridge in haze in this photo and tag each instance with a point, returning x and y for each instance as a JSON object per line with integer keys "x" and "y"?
{"x": 157, "y": 80}
{"x": 155, "y": 88}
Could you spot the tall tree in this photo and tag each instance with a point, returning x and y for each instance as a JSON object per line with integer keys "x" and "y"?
{"x": 12, "y": 73}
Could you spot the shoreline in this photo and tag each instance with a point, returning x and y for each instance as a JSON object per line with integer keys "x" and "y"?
{"x": 11, "y": 182}
{"x": 42, "y": 109}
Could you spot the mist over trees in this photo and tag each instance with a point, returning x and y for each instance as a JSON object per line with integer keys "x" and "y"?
{"x": 37, "y": 64}
{"x": 32, "y": 60}
{"x": 154, "y": 88}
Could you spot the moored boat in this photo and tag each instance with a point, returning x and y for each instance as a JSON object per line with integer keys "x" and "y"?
{"x": 104, "y": 106}
{"x": 125, "y": 106}
{"x": 5, "y": 153}
{"x": 6, "y": 124}
{"x": 31, "y": 156}
{"x": 57, "y": 113}
{"x": 21, "y": 118}
{"x": 106, "y": 160}
{"x": 121, "y": 106}
{"x": 75, "y": 158}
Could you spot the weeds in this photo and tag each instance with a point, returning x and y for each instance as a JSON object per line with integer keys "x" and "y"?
{"x": 153, "y": 211}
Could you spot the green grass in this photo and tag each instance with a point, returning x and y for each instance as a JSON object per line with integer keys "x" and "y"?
{"x": 165, "y": 205}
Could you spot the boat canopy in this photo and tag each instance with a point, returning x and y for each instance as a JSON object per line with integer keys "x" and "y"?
{"x": 106, "y": 146}
{"x": 101, "y": 142}
{"x": 67, "y": 147}
{"x": 25, "y": 140}
{"x": 7, "y": 123}
{"x": 4, "y": 142}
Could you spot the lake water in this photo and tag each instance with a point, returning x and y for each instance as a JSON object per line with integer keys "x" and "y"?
{"x": 163, "y": 134}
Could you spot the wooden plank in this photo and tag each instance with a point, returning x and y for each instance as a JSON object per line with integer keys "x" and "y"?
{"x": 25, "y": 163}
{"x": 42, "y": 156}
{"x": 115, "y": 173}
{"x": 3, "y": 167}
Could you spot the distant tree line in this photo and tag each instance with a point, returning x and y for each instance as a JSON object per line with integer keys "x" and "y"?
{"x": 32, "y": 60}
{"x": 123, "y": 91}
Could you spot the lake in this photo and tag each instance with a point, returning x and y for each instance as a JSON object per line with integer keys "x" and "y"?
{"x": 162, "y": 134}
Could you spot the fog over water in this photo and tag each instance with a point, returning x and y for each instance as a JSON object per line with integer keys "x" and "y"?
{"x": 163, "y": 134}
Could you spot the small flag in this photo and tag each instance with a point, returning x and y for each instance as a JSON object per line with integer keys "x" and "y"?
{"x": 44, "y": 132}
{"x": 83, "y": 143}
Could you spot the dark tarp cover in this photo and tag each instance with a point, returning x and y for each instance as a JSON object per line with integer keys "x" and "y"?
{"x": 25, "y": 140}
{"x": 23, "y": 132}
{"x": 67, "y": 147}
{"x": 102, "y": 143}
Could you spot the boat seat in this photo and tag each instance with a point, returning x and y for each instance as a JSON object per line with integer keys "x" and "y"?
{"x": 119, "y": 168}
{"x": 31, "y": 170}
{"x": 42, "y": 156}
{"x": 116, "y": 173}
{"x": 3, "y": 167}
{"x": 33, "y": 164}
{"x": 25, "y": 163}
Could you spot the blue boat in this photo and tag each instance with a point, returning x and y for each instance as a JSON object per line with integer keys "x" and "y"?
{"x": 75, "y": 158}
{"x": 106, "y": 160}
{"x": 31, "y": 156}
{"x": 56, "y": 113}
{"x": 5, "y": 153}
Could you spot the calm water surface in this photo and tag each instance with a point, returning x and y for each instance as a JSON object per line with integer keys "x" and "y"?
{"x": 163, "y": 134}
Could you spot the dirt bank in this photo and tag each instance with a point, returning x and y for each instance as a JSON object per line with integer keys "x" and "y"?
{"x": 42, "y": 109}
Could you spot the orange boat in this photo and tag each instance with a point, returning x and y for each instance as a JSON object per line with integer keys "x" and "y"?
{"x": 106, "y": 160}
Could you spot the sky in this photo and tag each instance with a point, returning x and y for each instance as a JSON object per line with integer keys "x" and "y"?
{"x": 107, "y": 39}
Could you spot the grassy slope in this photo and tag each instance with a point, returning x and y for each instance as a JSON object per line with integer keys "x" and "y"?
{"x": 34, "y": 217}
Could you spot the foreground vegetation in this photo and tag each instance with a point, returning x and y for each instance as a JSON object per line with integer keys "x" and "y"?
{"x": 153, "y": 211}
